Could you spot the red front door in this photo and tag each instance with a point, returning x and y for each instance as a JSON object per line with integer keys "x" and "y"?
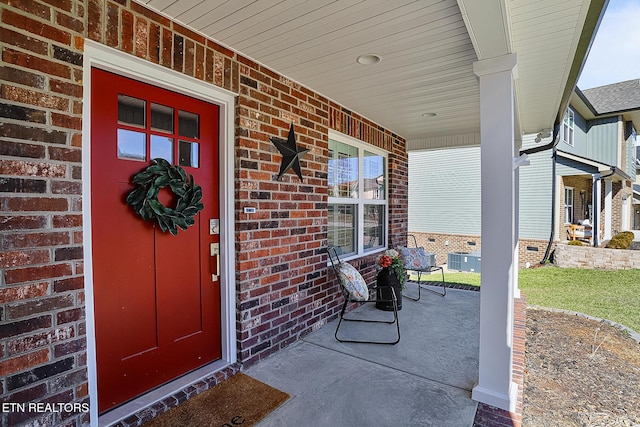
{"x": 157, "y": 305}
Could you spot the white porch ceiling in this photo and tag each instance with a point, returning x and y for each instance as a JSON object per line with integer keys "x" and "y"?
{"x": 427, "y": 49}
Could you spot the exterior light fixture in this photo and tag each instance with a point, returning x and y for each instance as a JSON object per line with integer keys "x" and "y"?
{"x": 544, "y": 133}
{"x": 368, "y": 59}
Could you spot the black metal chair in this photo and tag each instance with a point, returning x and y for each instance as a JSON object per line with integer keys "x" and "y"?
{"x": 355, "y": 290}
{"x": 425, "y": 265}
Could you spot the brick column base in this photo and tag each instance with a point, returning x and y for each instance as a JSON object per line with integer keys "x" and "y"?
{"x": 490, "y": 416}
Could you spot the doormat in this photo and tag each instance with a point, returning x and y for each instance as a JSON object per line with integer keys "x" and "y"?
{"x": 240, "y": 400}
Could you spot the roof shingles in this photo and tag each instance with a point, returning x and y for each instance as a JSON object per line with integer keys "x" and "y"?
{"x": 622, "y": 96}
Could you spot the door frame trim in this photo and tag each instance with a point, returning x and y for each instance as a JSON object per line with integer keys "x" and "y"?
{"x": 126, "y": 65}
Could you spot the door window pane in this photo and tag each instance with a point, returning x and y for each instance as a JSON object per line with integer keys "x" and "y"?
{"x": 188, "y": 124}
{"x": 189, "y": 154}
{"x": 161, "y": 118}
{"x": 131, "y": 111}
{"x": 132, "y": 145}
{"x": 342, "y": 228}
{"x": 374, "y": 176}
{"x": 343, "y": 170}
{"x": 161, "y": 147}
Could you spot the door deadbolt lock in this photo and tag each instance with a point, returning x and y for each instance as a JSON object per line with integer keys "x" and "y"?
{"x": 214, "y": 226}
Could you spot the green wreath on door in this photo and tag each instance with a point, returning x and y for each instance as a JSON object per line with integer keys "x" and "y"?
{"x": 144, "y": 198}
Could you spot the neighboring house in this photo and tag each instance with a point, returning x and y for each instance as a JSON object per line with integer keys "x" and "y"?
{"x": 596, "y": 159}
{"x": 595, "y": 171}
{"x": 98, "y": 307}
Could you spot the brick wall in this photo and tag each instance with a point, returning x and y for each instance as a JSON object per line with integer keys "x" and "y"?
{"x": 442, "y": 244}
{"x": 530, "y": 250}
{"x": 580, "y": 209}
{"x": 283, "y": 287}
{"x": 42, "y": 329}
{"x": 284, "y": 284}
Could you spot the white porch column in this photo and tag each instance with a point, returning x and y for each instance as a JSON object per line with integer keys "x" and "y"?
{"x": 597, "y": 218}
{"x": 608, "y": 208}
{"x": 498, "y": 229}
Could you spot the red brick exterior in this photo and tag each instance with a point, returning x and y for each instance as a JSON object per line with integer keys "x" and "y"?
{"x": 283, "y": 287}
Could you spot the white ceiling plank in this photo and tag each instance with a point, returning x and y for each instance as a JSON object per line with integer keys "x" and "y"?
{"x": 185, "y": 7}
{"x": 427, "y": 52}
{"x": 429, "y": 76}
{"x": 159, "y": 5}
{"x": 389, "y": 39}
{"x": 215, "y": 13}
{"x": 279, "y": 33}
{"x": 455, "y": 46}
{"x": 545, "y": 8}
{"x": 250, "y": 27}
{"x": 361, "y": 33}
{"x": 329, "y": 20}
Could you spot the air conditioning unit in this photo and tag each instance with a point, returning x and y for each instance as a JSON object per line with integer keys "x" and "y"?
{"x": 464, "y": 261}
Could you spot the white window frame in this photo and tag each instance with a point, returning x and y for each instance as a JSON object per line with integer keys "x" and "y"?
{"x": 567, "y": 129}
{"x": 360, "y": 202}
{"x": 568, "y": 205}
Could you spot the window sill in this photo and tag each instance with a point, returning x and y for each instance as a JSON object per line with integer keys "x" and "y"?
{"x": 351, "y": 257}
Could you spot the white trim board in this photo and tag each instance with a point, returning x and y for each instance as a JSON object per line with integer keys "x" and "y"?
{"x": 108, "y": 59}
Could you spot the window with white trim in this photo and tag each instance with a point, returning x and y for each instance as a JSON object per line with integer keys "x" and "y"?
{"x": 566, "y": 132}
{"x": 568, "y": 205}
{"x": 357, "y": 205}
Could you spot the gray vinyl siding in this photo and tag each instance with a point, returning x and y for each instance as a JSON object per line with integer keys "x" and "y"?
{"x": 444, "y": 191}
{"x": 568, "y": 167}
{"x": 535, "y": 197}
{"x": 594, "y": 139}
{"x": 603, "y": 141}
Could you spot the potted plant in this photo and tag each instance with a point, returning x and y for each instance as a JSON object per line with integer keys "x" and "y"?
{"x": 392, "y": 273}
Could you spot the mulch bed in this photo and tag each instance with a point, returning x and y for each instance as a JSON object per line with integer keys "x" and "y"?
{"x": 579, "y": 372}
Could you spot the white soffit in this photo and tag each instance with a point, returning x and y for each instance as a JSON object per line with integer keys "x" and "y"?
{"x": 426, "y": 48}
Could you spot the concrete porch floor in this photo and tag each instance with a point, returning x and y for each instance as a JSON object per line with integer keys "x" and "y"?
{"x": 424, "y": 380}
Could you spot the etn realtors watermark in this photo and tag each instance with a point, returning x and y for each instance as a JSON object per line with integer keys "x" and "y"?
{"x": 43, "y": 407}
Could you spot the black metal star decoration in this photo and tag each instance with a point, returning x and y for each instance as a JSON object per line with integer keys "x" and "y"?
{"x": 291, "y": 153}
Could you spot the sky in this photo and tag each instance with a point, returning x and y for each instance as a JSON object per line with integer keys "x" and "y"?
{"x": 615, "y": 52}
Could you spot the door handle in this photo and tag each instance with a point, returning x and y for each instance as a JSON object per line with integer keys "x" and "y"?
{"x": 214, "y": 261}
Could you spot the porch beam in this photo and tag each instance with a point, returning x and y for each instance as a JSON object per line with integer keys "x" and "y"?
{"x": 498, "y": 228}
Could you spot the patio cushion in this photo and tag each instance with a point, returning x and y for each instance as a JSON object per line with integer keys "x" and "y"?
{"x": 353, "y": 282}
{"x": 414, "y": 258}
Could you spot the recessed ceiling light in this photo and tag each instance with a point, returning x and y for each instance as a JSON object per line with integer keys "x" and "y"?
{"x": 429, "y": 114}
{"x": 368, "y": 59}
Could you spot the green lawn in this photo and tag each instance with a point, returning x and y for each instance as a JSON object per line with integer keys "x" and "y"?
{"x": 613, "y": 295}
